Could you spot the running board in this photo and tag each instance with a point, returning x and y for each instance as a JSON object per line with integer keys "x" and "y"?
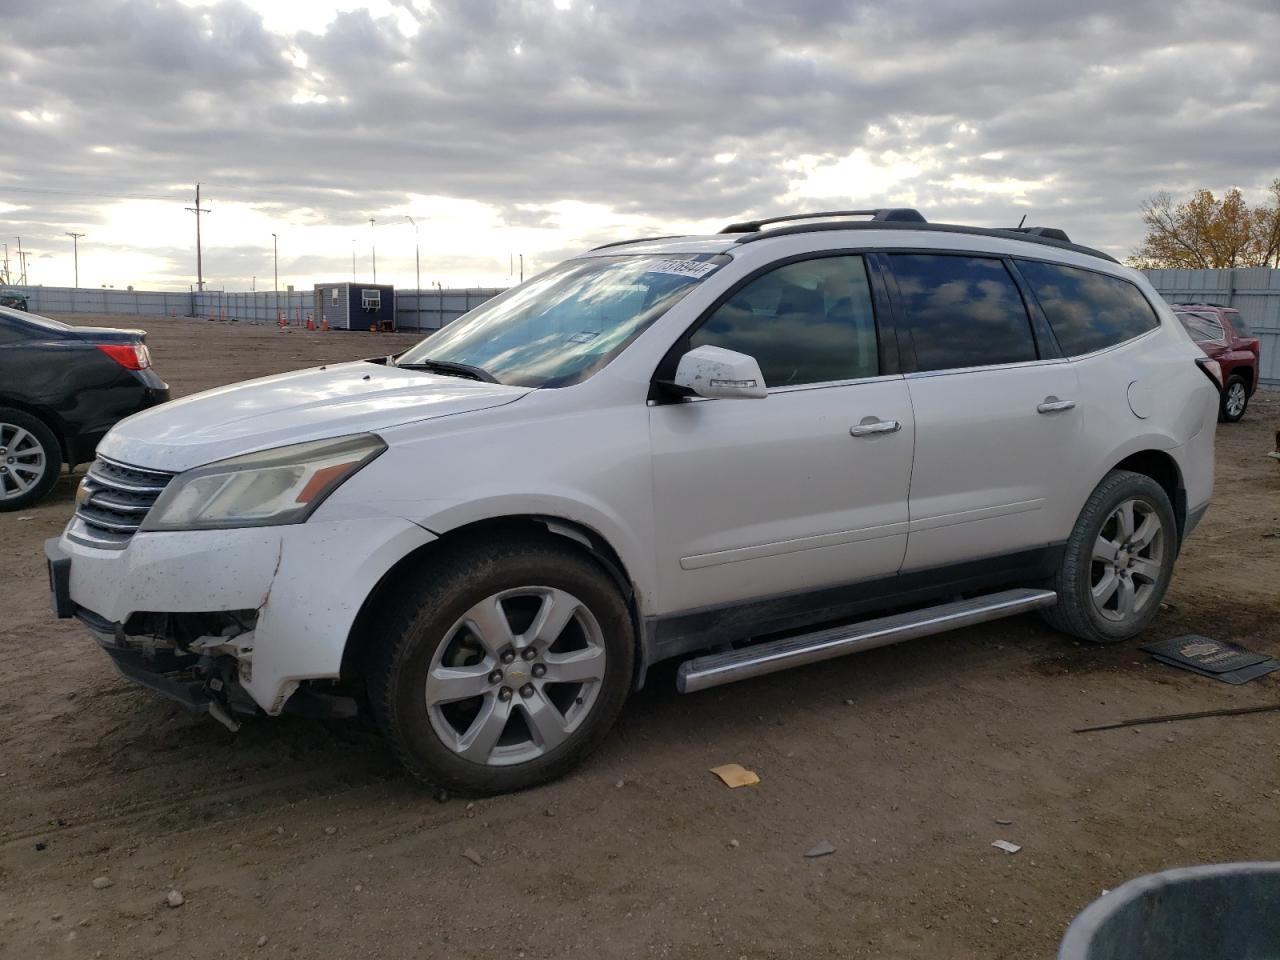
{"x": 717, "y": 669}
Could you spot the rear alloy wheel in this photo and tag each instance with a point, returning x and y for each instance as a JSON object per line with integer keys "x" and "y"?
{"x": 1118, "y": 561}
{"x": 1128, "y": 559}
{"x": 29, "y": 459}
{"x": 1235, "y": 398}
{"x": 503, "y": 665}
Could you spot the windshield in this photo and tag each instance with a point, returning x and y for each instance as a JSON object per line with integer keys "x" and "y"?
{"x": 564, "y": 325}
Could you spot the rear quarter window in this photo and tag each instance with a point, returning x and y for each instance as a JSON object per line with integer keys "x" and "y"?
{"x": 1088, "y": 311}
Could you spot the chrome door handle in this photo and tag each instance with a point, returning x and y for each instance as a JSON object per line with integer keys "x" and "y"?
{"x": 1053, "y": 405}
{"x": 877, "y": 426}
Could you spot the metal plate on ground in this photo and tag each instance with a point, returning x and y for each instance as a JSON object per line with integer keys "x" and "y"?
{"x": 1218, "y": 659}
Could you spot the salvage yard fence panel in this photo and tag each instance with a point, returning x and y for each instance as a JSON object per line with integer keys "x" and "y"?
{"x": 424, "y": 310}
{"x": 1254, "y": 291}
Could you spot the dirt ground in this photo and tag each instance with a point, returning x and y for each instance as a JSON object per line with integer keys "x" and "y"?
{"x": 300, "y": 838}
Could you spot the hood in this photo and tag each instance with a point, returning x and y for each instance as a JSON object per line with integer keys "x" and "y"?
{"x": 330, "y": 401}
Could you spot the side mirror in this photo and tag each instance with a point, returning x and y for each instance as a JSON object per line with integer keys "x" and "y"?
{"x": 721, "y": 374}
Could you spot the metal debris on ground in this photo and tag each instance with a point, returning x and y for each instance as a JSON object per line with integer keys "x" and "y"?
{"x": 1170, "y": 717}
{"x": 822, "y": 848}
{"x": 1006, "y": 846}
{"x": 735, "y": 775}
{"x": 1216, "y": 659}
{"x": 473, "y": 856}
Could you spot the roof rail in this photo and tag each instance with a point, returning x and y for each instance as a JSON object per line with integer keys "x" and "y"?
{"x": 883, "y": 215}
{"x": 623, "y": 243}
{"x": 1053, "y": 233}
{"x": 1006, "y": 234}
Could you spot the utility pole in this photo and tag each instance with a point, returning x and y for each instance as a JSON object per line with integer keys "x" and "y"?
{"x": 353, "y": 261}
{"x": 75, "y": 251}
{"x": 197, "y": 210}
{"x": 522, "y": 268}
{"x": 6, "y": 264}
{"x": 275, "y": 261}
{"x": 373, "y": 251}
{"x": 22, "y": 264}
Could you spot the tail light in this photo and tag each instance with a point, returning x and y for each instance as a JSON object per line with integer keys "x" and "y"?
{"x": 131, "y": 356}
{"x": 1212, "y": 369}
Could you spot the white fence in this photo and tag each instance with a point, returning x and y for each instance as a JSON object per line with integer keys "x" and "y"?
{"x": 1254, "y": 291}
{"x": 415, "y": 309}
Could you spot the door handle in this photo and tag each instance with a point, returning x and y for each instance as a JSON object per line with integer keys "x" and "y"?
{"x": 1053, "y": 405}
{"x": 876, "y": 426}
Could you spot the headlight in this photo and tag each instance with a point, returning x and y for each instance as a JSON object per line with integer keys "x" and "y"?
{"x": 262, "y": 489}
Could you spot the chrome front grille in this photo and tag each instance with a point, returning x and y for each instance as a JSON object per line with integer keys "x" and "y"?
{"x": 113, "y": 501}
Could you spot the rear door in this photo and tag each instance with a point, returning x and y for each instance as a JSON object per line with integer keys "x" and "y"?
{"x": 994, "y": 409}
{"x": 806, "y": 488}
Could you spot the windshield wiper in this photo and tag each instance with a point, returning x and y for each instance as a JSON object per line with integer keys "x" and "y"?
{"x": 451, "y": 369}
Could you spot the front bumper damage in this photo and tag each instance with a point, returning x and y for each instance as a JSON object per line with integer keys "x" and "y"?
{"x": 232, "y": 622}
{"x": 202, "y": 674}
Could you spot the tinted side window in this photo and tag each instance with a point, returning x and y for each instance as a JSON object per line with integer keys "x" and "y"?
{"x": 1237, "y": 322}
{"x": 1203, "y": 327}
{"x": 1087, "y": 310}
{"x": 806, "y": 322}
{"x": 962, "y": 311}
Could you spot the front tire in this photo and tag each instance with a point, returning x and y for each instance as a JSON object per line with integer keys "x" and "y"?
{"x": 1118, "y": 561}
{"x": 503, "y": 667}
{"x": 1235, "y": 399}
{"x": 30, "y": 459}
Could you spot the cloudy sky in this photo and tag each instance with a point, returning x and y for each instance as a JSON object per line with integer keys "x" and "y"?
{"x": 542, "y": 126}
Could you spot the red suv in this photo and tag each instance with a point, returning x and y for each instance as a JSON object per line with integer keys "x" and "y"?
{"x": 1221, "y": 333}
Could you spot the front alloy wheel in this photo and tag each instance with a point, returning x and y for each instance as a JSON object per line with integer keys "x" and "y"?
{"x": 516, "y": 675}
{"x": 497, "y": 664}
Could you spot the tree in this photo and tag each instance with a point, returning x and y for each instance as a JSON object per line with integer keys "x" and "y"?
{"x": 1206, "y": 232}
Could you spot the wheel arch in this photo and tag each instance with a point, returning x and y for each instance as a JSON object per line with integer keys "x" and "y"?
{"x": 591, "y": 542}
{"x": 1164, "y": 470}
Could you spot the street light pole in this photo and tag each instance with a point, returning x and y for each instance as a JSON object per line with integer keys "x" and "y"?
{"x": 275, "y": 262}
{"x": 75, "y": 252}
{"x": 417, "y": 266}
{"x": 373, "y": 251}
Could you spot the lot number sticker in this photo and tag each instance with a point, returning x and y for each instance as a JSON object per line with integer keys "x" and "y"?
{"x": 697, "y": 269}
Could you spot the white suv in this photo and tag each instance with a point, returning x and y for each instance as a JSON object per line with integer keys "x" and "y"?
{"x": 762, "y": 448}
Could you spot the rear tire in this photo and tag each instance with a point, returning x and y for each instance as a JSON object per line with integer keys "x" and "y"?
{"x": 30, "y": 459}
{"x": 1118, "y": 561}
{"x": 1235, "y": 399}
{"x": 502, "y": 667}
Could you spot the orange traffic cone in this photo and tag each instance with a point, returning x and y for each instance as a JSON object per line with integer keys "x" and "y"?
{"x": 324, "y": 323}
